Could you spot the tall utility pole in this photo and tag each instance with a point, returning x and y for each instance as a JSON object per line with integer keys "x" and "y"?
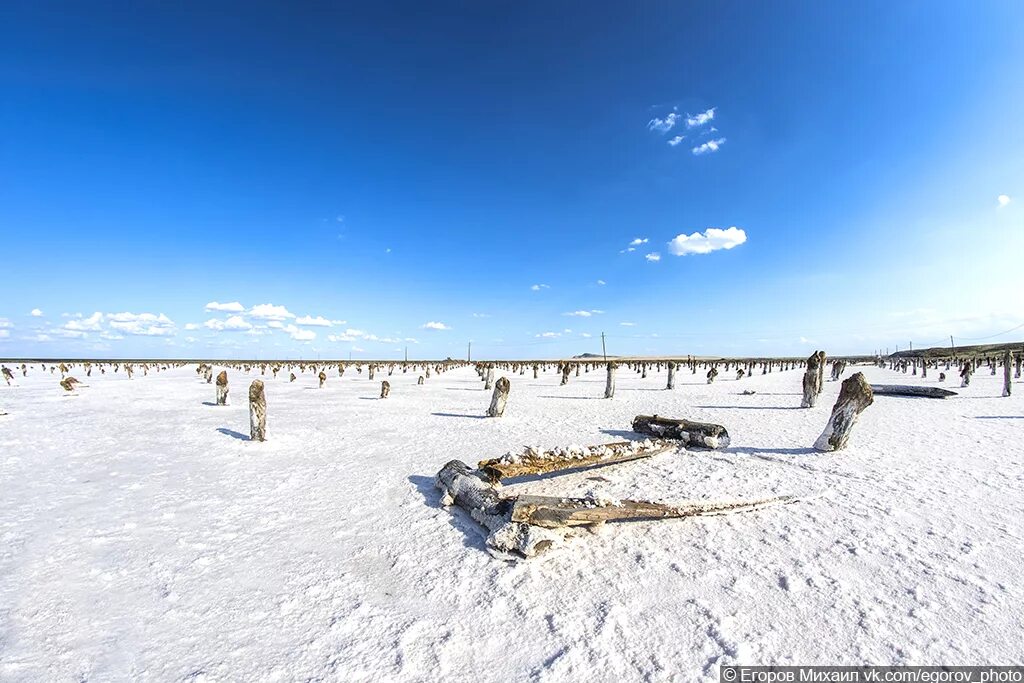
{"x": 911, "y": 346}
{"x": 406, "y": 354}
{"x": 469, "y": 353}
{"x": 952, "y": 348}
{"x": 603, "y": 351}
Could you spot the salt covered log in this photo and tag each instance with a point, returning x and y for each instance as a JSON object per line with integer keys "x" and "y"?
{"x": 257, "y": 412}
{"x": 692, "y": 434}
{"x": 534, "y": 461}
{"x": 910, "y": 390}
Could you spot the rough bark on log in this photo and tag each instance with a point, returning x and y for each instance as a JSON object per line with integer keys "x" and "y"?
{"x": 222, "y": 388}
{"x": 553, "y": 512}
{"x": 257, "y": 412}
{"x": 910, "y": 390}
{"x": 692, "y": 434}
{"x": 500, "y": 397}
{"x": 854, "y": 396}
{"x": 532, "y": 461}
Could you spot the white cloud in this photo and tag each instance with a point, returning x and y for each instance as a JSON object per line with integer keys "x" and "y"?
{"x": 628, "y": 324}
{"x": 4, "y": 334}
{"x": 585, "y": 335}
{"x": 270, "y": 312}
{"x": 663, "y": 125}
{"x": 142, "y": 324}
{"x": 601, "y": 282}
{"x": 232, "y": 323}
{"x": 70, "y": 334}
{"x": 548, "y": 335}
{"x": 233, "y": 307}
{"x": 481, "y": 315}
{"x": 584, "y": 314}
{"x": 432, "y": 325}
{"x": 676, "y": 140}
{"x": 4, "y": 322}
{"x": 701, "y": 118}
{"x": 299, "y": 334}
{"x": 627, "y": 250}
{"x": 276, "y": 324}
{"x": 1003, "y": 200}
{"x": 36, "y": 313}
{"x": 310, "y": 321}
{"x": 653, "y": 256}
{"x": 537, "y": 288}
{"x": 638, "y": 241}
{"x": 191, "y": 326}
{"x": 709, "y": 146}
{"x": 711, "y": 240}
{"x": 93, "y": 323}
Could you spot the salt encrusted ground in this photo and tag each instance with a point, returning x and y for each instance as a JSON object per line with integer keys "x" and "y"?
{"x": 143, "y": 537}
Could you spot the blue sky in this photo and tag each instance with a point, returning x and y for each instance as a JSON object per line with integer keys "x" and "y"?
{"x": 362, "y": 179}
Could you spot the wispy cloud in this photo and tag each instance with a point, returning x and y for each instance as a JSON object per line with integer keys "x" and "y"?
{"x": 299, "y": 334}
{"x": 481, "y": 315}
{"x": 601, "y": 282}
{"x": 310, "y": 321}
{"x": 708, "y": 147}
{"x": 628, "y": 324}
{"x": 36, "y": 313}
{"x": 234, "y": 323}
{"x": 701, "y": 118}
{"x": 638, "y": 241}
{"x": 434, "y": 325}
{"x": 1003, "y": 200}
{"x": 710, "y": 240}
{"x": 584, "y": 314}
{"x": 142, "y": 324}
{"x": 537, "y": 288}
{"x": 548, "y": 335}
{"x": 676, "y": 140}
{"x": 232, "y": 307}
{"x": 663, "y": 125}
{"x": 653, "y": 256}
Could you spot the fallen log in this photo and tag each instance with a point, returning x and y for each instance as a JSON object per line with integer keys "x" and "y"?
{"x": 552, "y": 512}
{"x": 533, "y": 460}
{"x": 693, "y": 434}
{"x": 909, "y": 390}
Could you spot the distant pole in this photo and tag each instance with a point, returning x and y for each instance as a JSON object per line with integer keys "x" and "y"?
{"x": 469, "y": 353}
{"x": 406, "y": 354}
{"x": 603, "y": 351}
{"x": 952, "y": 348}
{"x": 350, "y": 355}
{"x": 911, "y": 347}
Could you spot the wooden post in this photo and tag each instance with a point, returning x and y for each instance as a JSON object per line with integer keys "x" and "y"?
{"x": 323, "y": 378}
{"x": 500, "y": 397}
{"x": 671, "y": 375}
{"x": 257, "y": 412}
{"x": 385, "y": 388}
{"x": 420, "y": 379}
{"x": 1007, "y": 372}
{"x": 489, "y": 377}
{"x": 222, "y": 388}
{"x": 609, "y": 385}
{"x": 854, "y": 396}
{"x": 291, "y": 376}
{"x": 565, "y": 373}
{"x": 712, "y": 374}
{"x": 370, "y": 370}
{"x": 965, "y": 374}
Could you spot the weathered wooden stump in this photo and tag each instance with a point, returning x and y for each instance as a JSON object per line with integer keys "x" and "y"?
{"x": 419, "y": 380}
{"x": 499, "y": 398}
{"x": 609, "y": 384}
{"x": 323, "y": 378}
{"x": 671, "y": 384}
{"x": 854, "y": 396}
{"x": 812, "y": 379}
{"x": 257, "y": 412}
{"x": 942, "y": 377}
{"x": 712, "y": 374}
{"x": 291, "y": 376}
{"x": 695, "y": 434}
{"x": 222, "y": 388}
{"x": 1007, "y": 373}
{"x": 965, "y": 374}
{"x": 385, "y": 389}
{"x": 489, "y": 378}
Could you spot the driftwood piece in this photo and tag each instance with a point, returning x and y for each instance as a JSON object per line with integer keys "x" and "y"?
{"x": 499, "y": 398}
{"x": 692, "y": 434}
{"x": 222, "y": 388}
{"x": 910, "y": 390}
{"x": 854, "y": 396}
{"x": 533, "y": 460}
{"x": 553, "y": 512}
{"x": 257, "y": 412}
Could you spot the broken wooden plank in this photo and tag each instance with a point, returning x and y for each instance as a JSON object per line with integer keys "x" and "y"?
{"x": 909, "y": 390}
{"x": 533, "y": 460}
{"x": 692, "y": 434}
{"x": 554, "y": 512}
